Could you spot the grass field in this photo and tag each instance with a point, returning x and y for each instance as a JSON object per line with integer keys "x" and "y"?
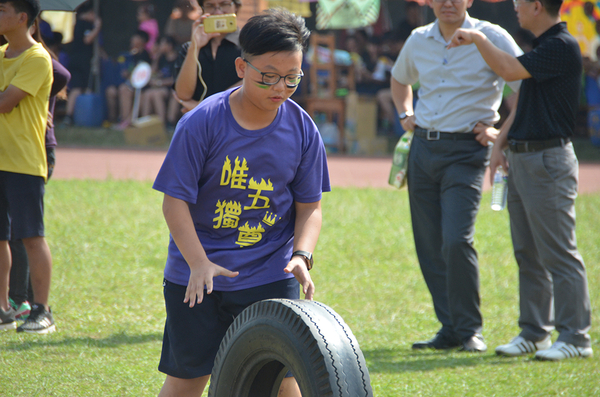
{"x": 109, "y": 239}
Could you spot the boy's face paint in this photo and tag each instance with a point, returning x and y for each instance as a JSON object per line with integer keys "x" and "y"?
{"x": 263, "y": 96}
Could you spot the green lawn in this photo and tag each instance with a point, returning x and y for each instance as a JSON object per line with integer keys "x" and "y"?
{"x": 109, "y": 239}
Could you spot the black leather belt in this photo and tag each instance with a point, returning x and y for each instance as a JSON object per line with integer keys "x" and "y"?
{"x": 536, "y": 146}
{"x": 437, "y": 135}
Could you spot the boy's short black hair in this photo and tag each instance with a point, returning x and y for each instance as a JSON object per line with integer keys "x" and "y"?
{"x": 148, "y": 9}
{"x": 29, "y": 7}
{"x": 275, "y": 30}
{"x": 170, "y": 40}
{"x": 143, "y": 35}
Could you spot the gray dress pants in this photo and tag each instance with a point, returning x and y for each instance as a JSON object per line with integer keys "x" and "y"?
{"x": 445, "y": 179}
{"x": 542, "y": 187}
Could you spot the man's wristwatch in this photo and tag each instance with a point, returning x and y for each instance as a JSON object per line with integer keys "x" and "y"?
{"x": 307, "y": 256}
{"x": 404, "y": 115}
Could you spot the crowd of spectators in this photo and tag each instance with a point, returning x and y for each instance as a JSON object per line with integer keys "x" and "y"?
{"x": 372, "y": 56}
{"x": 155, "y": 45}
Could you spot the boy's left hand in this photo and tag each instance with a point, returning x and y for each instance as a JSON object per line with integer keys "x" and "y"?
{"x": 298, "y": 268}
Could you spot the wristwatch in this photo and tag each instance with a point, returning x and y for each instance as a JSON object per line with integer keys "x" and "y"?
{"x": 307, "y": 256}
{"x": 404, "y": 115}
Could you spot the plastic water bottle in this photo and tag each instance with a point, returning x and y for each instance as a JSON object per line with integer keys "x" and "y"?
{"x": 400, "y": 161}
{"x": 499, "y": 190}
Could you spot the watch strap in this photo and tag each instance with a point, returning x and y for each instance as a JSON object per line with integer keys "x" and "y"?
{"x": 404, "y": 115}
{"x": 307, "y": 256}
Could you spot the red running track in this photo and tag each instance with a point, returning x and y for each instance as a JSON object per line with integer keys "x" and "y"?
{"x": 144, "y": 165}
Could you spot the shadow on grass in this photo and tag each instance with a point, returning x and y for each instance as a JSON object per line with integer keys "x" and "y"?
{"x": 112, "y": 341}
{"x": 395, "y": 361}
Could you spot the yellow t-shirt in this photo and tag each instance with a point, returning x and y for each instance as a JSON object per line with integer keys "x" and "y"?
{"x": 23, "y": 129}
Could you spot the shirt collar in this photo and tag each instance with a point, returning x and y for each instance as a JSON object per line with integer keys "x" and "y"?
{"x": 553, "y": 31}
{"x": 234, "y": 37}
{"x": 434, "y": 32}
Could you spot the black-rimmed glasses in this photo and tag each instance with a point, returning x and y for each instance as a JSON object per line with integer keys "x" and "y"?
{"x": 291, "y": 80}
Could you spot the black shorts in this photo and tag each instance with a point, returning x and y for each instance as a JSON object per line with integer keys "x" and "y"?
{"x": 193, "y": 335}
{"x": 21, "y": 206}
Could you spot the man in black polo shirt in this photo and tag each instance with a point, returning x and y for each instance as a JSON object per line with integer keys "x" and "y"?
{"x": 542, "y": 183}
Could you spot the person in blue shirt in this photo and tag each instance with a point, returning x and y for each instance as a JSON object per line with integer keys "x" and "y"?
{"x": 242, "y": 184}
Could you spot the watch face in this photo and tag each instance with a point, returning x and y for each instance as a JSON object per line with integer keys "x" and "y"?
{"x": 307, "y": 256}
{"x": 309, "y": 263}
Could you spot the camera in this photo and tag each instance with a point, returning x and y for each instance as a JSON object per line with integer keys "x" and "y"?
{"x": 225, "y": 23}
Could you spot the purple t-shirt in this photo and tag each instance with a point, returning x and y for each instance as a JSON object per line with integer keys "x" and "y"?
{"x": 241, "y": 186}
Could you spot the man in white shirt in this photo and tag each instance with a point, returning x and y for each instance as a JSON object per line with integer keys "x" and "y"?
{"x": 459, "y": 97}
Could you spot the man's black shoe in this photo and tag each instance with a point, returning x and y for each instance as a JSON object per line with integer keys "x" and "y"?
{"x": 474, "y": 344}
{"x": 440, "y": 341}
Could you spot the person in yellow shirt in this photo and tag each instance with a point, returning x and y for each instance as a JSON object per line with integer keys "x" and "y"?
{"x": 25, "y": 82}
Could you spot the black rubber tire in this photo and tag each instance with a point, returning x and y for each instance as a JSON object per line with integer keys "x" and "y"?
{"x": 305, "y": 337}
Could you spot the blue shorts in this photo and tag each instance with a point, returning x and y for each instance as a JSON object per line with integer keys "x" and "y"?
{"x": 21, "y": 206}
{"x": 193, "y": 335}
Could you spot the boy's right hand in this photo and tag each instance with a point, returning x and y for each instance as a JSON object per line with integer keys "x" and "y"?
{"x": 201, "y": 276}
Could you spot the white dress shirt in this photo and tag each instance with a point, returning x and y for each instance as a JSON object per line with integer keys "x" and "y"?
{"x": 457, "y": 88}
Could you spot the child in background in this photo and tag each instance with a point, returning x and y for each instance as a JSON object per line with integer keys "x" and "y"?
{"x": 120, "y": 94}
{"x": 20, "y": 291}
{"x": 147, "y": 23}
{"x": 158, "y": 96}
{"x": 81, "y": 50}
{"x": 25, "y": 83}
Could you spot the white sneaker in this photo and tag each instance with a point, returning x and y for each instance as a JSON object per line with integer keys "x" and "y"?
{"x": 7, "y": 319}
{"x": 562, "y": 350}
{"x": 520, "y": 346}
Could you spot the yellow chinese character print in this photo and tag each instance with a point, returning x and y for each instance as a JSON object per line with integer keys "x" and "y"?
{"x": 219, "y": 211}
{"x": 228, "y": 214}
{"x": 231, "y": 217}
{"x": 226, "y": 173}
{"x": 259, "y": 187}
{"x": 239, "y": 176}
{"x": 249, "y": 235}
{"x": 270, "y": 220}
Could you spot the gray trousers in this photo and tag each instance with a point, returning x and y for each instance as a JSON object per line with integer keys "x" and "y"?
{"x": 542, "y": 187}
{"x": 445, "y": 179}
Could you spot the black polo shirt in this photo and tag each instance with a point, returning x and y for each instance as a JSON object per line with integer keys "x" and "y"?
{"x": 218, "y": 73}
{"x": 549, "y": 100}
